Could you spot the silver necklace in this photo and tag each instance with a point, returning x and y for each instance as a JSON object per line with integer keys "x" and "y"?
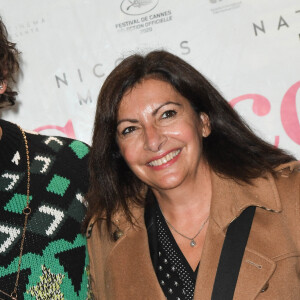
{"x": 192, "y": 240}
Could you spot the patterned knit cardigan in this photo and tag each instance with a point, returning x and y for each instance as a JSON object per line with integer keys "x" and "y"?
{"x": 54, "y": 259}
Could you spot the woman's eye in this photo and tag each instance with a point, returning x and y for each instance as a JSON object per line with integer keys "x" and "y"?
{"x": 168, "y": 114}
{"x": 128, "y": 130}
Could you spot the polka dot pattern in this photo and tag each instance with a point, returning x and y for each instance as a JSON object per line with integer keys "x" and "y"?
{"x": 175, "y": 276}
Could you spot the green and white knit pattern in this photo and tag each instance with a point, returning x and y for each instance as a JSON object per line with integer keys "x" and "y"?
{"x": 55, "y": 258}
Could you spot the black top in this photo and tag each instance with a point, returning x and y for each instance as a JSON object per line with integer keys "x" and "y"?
{"x": 175, "y": 276}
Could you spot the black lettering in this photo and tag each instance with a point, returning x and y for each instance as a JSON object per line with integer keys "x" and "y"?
{"x": 118, "y": 60}
{"x": 282, "y": 22}
{"x": 86, "y": 100}
{"x": 183, "y": 45}
{"x": 261, "y": 28}
{"x": 95, "y": 71}
{"x": 79, "y": 74}
{"x": 58, "y": 79}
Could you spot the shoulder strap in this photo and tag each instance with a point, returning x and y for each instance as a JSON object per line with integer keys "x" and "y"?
{"x": 232, "y": 255}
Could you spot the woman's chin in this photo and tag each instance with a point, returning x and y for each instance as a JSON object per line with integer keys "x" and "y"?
{"x": 167, "y": 184}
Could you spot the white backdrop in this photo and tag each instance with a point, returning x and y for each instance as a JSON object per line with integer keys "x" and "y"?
{"x": 250, "y": 49}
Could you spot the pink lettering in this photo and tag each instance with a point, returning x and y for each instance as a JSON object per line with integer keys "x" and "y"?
{"x": 68, "y": 129}
{"x": 276, "y": 143}
{"x": 261, "y": 105}
{"x": 288, "y": 112}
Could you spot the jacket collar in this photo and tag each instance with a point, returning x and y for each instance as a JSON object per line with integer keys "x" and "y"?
{"x": 231, "y": 197}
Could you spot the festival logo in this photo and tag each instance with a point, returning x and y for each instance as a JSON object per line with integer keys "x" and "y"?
{"x": 141, "y": 16}
{"x": 220, "y": 6}
{"x": 137, "y": 7}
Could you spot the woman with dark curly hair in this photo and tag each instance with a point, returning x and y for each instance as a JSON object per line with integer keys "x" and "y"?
{"x": 9, "y": 65}
{"x": 42, "y": 183}
{"x": 185, "y": 201}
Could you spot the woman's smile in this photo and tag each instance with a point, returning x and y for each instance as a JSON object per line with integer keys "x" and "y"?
{"x": 164, "y": 160}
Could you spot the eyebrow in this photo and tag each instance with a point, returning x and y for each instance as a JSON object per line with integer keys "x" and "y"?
{"x": 127, "y": 120}
{"x": 164, "y": 104}
{"x": 153, "y": 113}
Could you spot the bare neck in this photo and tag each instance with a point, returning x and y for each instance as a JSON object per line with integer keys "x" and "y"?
{"x": 190, "y": 199}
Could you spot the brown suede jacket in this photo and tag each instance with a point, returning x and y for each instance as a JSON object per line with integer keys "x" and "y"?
{"x": 121, "y": 269}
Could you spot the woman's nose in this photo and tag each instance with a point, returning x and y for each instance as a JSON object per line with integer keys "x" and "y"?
{"x": 154, "y": 139}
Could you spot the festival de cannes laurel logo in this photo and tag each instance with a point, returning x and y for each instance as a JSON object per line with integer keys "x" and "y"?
{"x": 137, "y": 7}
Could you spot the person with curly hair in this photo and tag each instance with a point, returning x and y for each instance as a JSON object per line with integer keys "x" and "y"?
{"x": 43, "y": 180}
{"x": 9, "y": 65}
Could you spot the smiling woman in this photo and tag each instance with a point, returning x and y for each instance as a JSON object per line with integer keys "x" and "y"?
{"x": 176, "y": 176}
{"x": 160, "y": 135}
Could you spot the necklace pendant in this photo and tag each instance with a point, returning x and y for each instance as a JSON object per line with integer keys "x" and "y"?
{"x": 193, "y": 243}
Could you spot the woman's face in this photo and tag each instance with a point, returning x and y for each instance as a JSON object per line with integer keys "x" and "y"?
{"x": 160, "y": 135}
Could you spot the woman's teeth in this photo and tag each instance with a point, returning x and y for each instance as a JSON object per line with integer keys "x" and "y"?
{"x": 165, "y": 159}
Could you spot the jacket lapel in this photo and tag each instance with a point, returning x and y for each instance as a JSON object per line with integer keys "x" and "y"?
{"x": 209, "y": 261}
{"x": 255, "y": 270}
{"x": 130, "y": 255}
{"x": 229, "y": 199}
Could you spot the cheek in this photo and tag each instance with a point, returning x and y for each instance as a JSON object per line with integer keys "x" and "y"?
{"x": 129, "y": 153}
{"x": 186, "y": 132}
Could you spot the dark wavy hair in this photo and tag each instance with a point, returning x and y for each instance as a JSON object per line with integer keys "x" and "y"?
{"x": 9, "y": 65}
{"x": 231, "y": 150}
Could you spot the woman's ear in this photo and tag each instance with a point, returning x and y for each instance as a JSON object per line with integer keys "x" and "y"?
{"x": 3, "y": 86}
{"x": 206, "y": 129}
